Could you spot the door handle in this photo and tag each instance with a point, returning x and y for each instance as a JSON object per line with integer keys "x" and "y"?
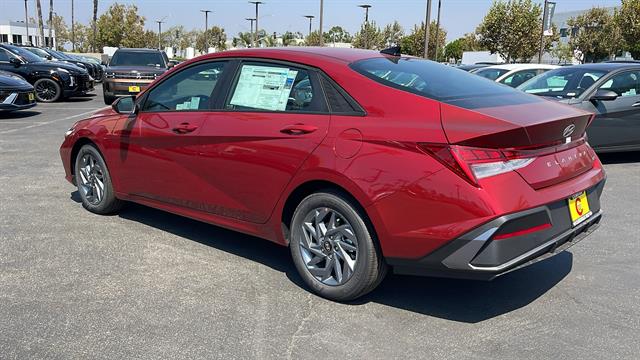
{"x": 184, "y": 128}
{"x": 298, "y": 129}
{"x": 636, "y": 104}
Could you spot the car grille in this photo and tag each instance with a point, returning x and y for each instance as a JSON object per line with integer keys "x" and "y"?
{"x": 84, "y": 82}
{"x": 145, "y": 76}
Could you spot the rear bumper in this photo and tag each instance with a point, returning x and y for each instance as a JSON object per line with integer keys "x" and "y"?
{"x": 475, "y": 255}
{"x": 120, "y": 87}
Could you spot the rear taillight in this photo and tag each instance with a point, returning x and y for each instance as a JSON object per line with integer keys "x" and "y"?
{"x": 473, "y": 164}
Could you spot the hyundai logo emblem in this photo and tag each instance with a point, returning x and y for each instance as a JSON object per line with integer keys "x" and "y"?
{"x": 568, "y": 130}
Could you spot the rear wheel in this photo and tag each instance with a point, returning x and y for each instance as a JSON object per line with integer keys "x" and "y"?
{"x": 47, "y": 90}
{"x": 332, "y": 248}
{"x": 94, "y": 182}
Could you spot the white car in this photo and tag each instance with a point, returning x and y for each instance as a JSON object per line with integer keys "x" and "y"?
{"x": 513, "y": 74}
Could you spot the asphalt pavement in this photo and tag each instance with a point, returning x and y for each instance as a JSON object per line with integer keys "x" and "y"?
{"x": 146, "y": 284}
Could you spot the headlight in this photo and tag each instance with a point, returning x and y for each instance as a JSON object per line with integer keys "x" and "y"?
{"x": 4, "y": 95}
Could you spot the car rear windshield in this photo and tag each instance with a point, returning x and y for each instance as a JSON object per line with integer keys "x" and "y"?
{"x": 137, "y": 58}
{"x": 569, "y": 82}
{"x": 491, "y": 73}
{"x": 429, "y": 79}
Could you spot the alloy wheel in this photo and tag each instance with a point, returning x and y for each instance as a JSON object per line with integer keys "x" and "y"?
{"x": 91, "y": 179}
{"x": 46, "y": 90}
{"x": 329, "y": 246}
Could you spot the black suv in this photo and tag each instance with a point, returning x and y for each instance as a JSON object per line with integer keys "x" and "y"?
{"x": 94, "y": 70}
{"x": 52, "y": 80}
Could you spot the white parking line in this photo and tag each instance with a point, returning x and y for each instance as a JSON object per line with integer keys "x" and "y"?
{"x": 52, "y": 121}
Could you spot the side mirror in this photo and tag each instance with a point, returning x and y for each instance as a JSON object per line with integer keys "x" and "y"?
{"x": 170, "y": 65}
{"x": 15, "y": 61}
{"x": 125, "y": 105}
{"x": 604, "y": 95}
{"x": 49, "y": 57}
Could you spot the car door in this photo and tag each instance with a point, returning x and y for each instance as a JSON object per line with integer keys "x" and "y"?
{"x": 274, "y": 116}
{"x": 158, "y": 152}
{"x": 617, "y": 122}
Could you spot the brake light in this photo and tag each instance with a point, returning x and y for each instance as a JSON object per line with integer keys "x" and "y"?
{"x": 473, "y": 164}
{"x": 522, "y": 232}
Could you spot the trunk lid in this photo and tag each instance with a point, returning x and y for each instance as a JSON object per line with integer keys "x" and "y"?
{"x": 546, "y": 130}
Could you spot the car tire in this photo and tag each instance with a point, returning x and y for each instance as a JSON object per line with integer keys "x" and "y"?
{"x": 94, "y": 182}
{"x": 108, "y": 100}
{"x": 47, "y": 90}
{"x": 313, "y": 255}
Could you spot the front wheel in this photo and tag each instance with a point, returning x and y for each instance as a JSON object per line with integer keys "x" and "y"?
{"x": 94, "y": 182}
{"x": 47, "y": 90}
{"x": 332, "y": 248}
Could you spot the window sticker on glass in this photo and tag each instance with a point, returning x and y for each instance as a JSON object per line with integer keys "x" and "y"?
{"x": 193, "y": 104}
{"x": 264, "y": 87}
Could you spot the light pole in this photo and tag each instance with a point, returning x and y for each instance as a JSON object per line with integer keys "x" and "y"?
{"x": 73, "y": 30}
{"x": 366, "y": 8}
{"x": 26, "y": 21}
{"x": 438, "y": 30}
{"x": 251, "y": 20}
{"x": 544, "y": 17}
{"x": 321, "y": 16}
{"x": 257, "y": 3}
{"x": 50, "y": 24}
{"x": 426, "y": 30}
{"x": 159, "y": 34}
{"x": 206, "y": 28}
{"x": 310, "y": 17}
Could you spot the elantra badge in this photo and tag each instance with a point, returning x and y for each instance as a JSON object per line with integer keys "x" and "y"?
{"x": 568, "y": 131}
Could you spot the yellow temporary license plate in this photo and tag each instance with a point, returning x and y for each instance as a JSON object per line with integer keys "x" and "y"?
{"x": 134, "y": 89}
{"x": 579, "y": 208}
{"x": 31, "y": 97}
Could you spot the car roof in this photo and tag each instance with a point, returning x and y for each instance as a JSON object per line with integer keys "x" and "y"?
{"x": 511, "y": 67}
{"x": 608, "y": 66}
{"x": 138, "y": 50}
{"x": 343, "y": 55}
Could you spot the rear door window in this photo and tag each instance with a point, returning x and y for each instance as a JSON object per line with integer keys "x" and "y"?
{"x": 274, "y": 87}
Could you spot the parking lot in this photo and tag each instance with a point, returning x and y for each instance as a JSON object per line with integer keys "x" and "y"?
{"x": 147, "y": 284}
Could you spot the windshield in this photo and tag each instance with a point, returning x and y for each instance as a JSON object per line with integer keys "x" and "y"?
{"x": 430, "y": 79}
{"x": 26, "y": 55}
{"x": 41, "y": 53}
{"x": 137, "y": 58}
{"x": 490, "y": 74}
{"x": 563, "y": 83}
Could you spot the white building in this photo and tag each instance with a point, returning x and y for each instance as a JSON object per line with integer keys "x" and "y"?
{"x": 15, "y": 32}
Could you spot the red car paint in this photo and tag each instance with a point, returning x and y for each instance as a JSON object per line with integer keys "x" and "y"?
{"x": 237, "y": 169}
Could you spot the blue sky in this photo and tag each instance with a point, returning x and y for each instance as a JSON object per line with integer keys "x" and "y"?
{"x": 458, "y": 16}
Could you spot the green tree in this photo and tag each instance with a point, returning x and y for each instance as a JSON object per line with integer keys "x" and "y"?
{"x": 392, "y": 34}
{"x": 369, "y": 37}
{"x": 82, "y": 37}
{"x": 628, "y": 21}
{"x": 413, "y": 44}
{"x": 94, "y": 23}
{"x": 337, "y": 34}
{"x": 242, "y": 40}
{"x": 564, "y": 53}
{"x": 598, "y": 36}
{"x": 216, "y": 37}
{"x": 40, "y": 23}
{"x": 63, "y": 36}
{"x": 512, "y": 29}
{"x": 313, "y": 39}
{"x": 121, "y": 25}
{"x": 472, "y": 42}
{"x": 454, "y": 49}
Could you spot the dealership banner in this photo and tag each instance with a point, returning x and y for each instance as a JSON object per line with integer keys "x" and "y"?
{"x": 548, "y": 17}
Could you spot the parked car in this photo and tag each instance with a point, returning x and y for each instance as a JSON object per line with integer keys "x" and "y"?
{"x": 610, "y": 90}
{"x": 97, "y": 63}
{"x": 52, "y": 80}
{"x": 15, "y": 93}
{"x": 356, "y": 160}
{"x": 472, "y": 68}
{"x": 130, "y": 71}
{"x": 513, "y": 74}
{"x": 54, "y": 55}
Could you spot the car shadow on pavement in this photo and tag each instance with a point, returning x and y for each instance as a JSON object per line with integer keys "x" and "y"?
{"x": 620, "y": 158}
{"x": 472, "y": 301}
{"x": 18, "y": 114}
{"x": 452, "y": 299}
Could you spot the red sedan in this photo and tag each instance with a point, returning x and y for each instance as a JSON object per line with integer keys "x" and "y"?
{"x": 359, "y": 161}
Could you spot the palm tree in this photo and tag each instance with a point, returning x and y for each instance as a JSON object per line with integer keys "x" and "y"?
{"x": 269, "y": 41}
{"x": 95, "y": 20}
{"x": 40, "y": 25}
{"x": 242, "y": 40}
{"x": 288, "y": 38}
{"x": 51, "y": 23}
